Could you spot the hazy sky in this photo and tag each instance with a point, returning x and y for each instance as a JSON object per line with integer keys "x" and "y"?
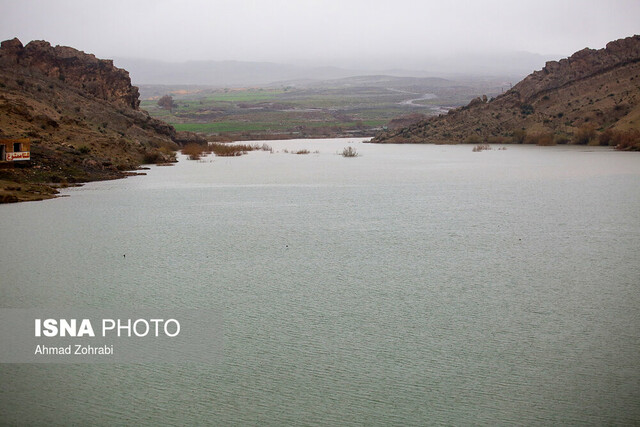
{"x": 319, "y": 31}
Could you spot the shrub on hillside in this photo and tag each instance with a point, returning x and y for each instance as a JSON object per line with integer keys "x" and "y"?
{"x": 621, "y": 140}
{"x": 498, "y": 140}
{"x": 584, "y": 135}
{"x": 473, "y": 139}
{"x": 518, "y": 136}
{"x": 543, "y": 138}
{"x": 151, "y": 157}
{"x": 560, "y": 138}
{"x": 526, "y": 109}
{"x": 607, "y": 137}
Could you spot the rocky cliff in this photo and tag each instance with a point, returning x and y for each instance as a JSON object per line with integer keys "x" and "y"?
{"x": 81, "y": 114}
{"x": 591, "y": 97}
{"x": 96, "y": 77}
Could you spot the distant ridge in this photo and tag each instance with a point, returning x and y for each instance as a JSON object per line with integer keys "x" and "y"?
{"x": 577, "y": 99}
{"x": 513, "y": 65}
{"x": 222, "y": 73}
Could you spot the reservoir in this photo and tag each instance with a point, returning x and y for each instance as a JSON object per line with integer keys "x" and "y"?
{"x": 411, "y": 285}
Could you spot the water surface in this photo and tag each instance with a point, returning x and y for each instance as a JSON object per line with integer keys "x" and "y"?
{"x": 411, "y": 285}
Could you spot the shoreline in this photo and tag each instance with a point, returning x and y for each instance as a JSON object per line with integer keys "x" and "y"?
{"x": 19, "y": 191}
{"x": 22, "y": 190}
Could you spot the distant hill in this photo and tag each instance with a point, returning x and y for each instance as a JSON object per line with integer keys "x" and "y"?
{"x": 81, "y": 115}
{"x": 383, "y": 81}
{"x": 222, "y": 73}
{"x": 512, "y": 65}
{"x": 592, "y": 97}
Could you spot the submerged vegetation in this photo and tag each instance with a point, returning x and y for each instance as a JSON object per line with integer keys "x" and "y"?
{"x": 349, "y": 152}
{"x": 230, "y": 150}
{"x": 481, "y": 147}
{"x": 193, "y": 151}
{"x": 196, "y": 151}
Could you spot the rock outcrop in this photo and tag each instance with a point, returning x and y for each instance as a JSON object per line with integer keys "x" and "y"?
{"x": 81, "y": 114}
{"x": 97, "y": 77}
{"x": 594, "y": 89}
{"x": 581, "y": 65}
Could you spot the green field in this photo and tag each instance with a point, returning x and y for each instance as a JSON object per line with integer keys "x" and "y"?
{"x": 356, "y": 106}
{"x": 229, "y": 126}
{"x": 245, "y": 96}
{"x": 291, "y": 126}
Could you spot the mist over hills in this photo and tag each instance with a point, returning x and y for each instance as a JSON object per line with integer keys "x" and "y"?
{"x": 222, "y": 73}
{"x": 242, "y": 73}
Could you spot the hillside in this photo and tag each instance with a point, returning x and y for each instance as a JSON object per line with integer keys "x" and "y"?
{"x": 81, "y": 115}
{"x": 592, "y": 97}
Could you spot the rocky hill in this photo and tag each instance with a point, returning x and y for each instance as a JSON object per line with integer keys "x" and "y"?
{"x": 81, "y": 115}
{"x": 592, "y": 97}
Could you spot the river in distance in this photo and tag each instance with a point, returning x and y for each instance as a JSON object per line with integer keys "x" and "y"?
{"x": 412, "y": 285}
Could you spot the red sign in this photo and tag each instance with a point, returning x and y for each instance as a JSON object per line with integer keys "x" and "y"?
{"x": 20, "y": 155}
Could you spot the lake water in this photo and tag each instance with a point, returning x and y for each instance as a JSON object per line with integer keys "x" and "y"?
{"x": 415, "y": 284}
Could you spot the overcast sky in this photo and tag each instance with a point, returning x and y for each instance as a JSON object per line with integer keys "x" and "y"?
{"x": 331, "y": 32}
